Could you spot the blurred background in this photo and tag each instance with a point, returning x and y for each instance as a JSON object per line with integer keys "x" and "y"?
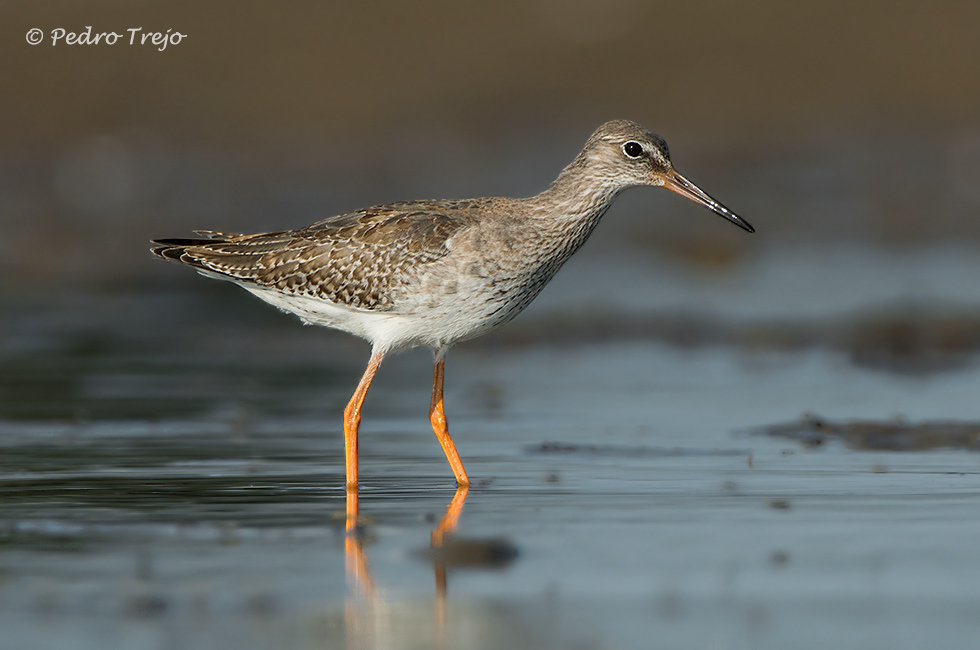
{"x": 139, "y": 401}
{"x": 847, "y": 133}
{"x": 821, "y": 122}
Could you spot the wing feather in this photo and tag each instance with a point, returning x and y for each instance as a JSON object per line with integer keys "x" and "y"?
{"x": 359, "y": 259}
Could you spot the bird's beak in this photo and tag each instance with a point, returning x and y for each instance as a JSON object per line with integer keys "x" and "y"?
{"x": 680, "y": 185}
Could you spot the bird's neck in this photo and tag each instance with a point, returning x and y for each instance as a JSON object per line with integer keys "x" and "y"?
{"x": 579, "y": 195}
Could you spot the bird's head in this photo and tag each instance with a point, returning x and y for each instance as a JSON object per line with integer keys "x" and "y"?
{"x": 623, "y": 154}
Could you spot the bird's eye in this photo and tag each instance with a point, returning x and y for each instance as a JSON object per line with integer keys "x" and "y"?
{"x": 633, "y": 149}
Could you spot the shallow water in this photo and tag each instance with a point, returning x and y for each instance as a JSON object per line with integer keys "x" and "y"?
{"x": 172, "y": 476}
{"x": 646, "y": 473}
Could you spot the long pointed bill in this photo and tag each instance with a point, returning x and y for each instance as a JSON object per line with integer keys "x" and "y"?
{"x": 680, "y": 185}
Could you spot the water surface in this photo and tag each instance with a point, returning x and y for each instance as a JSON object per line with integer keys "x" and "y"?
{"x": 179, "y": 484}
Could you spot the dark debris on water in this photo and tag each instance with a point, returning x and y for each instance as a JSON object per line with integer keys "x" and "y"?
{"x": 879, "y": 435}
{"x": 470, "y": 553}
{"x": 906, "y": 339}
{"x": 626, "y": 451}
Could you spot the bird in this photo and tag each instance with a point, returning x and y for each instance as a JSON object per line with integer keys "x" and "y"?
{"x": 433, "y": 273}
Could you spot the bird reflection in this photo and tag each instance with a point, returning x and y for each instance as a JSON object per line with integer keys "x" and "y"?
{"x": 359, "y": 574}
{"x": 448, "y": 524}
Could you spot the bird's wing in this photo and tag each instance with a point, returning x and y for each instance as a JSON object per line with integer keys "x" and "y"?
{"x": 356, "y": 259}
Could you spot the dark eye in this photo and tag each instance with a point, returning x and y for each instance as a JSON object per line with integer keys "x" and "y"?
{"x": 632, "y": 149}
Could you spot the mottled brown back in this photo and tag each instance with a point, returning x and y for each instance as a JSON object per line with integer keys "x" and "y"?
{"x": 359, "y": 259}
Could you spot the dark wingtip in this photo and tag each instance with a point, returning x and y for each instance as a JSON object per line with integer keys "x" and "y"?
{"x": 181, "y": 241}
{"x": 174, "y": 248}
{"x": 167, "y": 252}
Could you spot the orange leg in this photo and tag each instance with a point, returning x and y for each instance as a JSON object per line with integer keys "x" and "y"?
{"x": 353, "y": 511}
{"x": 352, "y": 420}
{"x": 437, "y": 416}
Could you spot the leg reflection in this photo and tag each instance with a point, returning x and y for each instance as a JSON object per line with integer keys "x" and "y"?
{"x": 358, "y": 574}
{"x": 445, "y": 527}
{"x": 361, "y": 585}
{"x": 451, "y": 518}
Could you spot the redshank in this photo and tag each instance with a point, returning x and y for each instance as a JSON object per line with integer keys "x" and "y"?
{"x": 433, "y": 273}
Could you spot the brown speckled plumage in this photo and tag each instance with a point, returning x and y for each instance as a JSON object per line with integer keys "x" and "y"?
{"x": 437, "y": 272}
{"x": 481, "y": 259}
{"x": 359, "y": 259}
